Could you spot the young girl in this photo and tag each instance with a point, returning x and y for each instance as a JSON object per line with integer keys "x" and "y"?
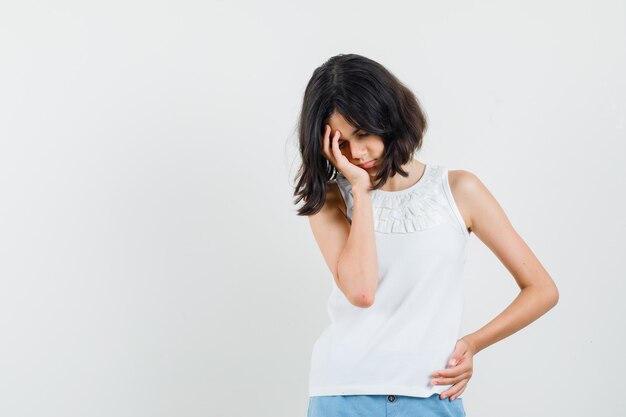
{"x": 394, "y": 232}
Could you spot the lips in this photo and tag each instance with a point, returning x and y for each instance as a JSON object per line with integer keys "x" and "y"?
{"x": 368, "y": 164}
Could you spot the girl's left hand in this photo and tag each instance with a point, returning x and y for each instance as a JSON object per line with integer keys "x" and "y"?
{"x": 460, "y": 372}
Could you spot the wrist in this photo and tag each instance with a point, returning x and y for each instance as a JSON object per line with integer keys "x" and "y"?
{"x": 360, "y": 190}
{"x": 471, "y": 341}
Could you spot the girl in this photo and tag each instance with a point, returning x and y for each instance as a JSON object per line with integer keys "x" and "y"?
{"x": 394, "y": 231}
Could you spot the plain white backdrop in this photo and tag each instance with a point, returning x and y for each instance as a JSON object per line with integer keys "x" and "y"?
{"x": 151, "y": 261}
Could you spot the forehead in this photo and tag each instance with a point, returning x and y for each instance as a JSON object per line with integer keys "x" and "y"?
{"x": 338, "y": 122}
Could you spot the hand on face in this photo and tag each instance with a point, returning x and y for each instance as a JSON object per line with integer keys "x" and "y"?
{"x": 357, "y": 176}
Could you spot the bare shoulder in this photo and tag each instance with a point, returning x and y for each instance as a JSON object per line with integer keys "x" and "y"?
{"x": 464, "y": 185}
{"x": 472, "y": 197}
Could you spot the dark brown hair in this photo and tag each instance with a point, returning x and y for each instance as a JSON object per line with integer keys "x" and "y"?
{"x": 370, "y": 98}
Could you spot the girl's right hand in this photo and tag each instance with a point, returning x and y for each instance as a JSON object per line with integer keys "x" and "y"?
{"x": 357, "y": 176}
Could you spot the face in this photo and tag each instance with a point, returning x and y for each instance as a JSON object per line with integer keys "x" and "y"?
{"x": 358, "y": 146}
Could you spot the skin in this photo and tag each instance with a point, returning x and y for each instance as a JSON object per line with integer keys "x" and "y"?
{"x": 349, "y": 249}
{"x": 483, "y": 216}
{"x": 359, "y": 147}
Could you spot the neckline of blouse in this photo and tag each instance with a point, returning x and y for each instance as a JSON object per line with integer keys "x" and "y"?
{"x": 419, "y": 183}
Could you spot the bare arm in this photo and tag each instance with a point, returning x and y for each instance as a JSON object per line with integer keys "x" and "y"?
{"x": 349, "y": 250}
{"x": 358, "y": 263}
{"x": 490, "y": 224}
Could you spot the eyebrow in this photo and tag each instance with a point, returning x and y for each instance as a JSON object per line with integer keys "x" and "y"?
{"x": 354, "y": 132}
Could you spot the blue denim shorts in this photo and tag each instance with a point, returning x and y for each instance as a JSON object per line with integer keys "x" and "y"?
{"x": 384, "y": 406}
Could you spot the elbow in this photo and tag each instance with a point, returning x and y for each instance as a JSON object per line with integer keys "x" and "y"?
{"x": 551, "y": 294}
{"x": 555, "y": 297}
{"x": 359, "y": 291}
{"x": 363, "y": 299}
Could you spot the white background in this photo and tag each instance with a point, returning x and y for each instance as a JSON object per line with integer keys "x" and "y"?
{"x": 151, "y": 261}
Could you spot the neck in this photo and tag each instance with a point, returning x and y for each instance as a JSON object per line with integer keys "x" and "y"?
{"x": 397, "y": 182}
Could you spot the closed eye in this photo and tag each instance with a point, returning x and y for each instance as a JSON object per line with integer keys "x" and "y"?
{"x": 342, "y": 143}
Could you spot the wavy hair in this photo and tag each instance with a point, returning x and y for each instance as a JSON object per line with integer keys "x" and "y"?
{"x": 370, "y": 98}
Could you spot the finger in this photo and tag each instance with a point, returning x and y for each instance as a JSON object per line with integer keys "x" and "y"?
{"x": 325, "y": 149}
{"x": 454, "y": 370}
{"x": 450, "y": 380}
{"x": 335, "y": 146}
{"x": 455, "y": 390}
{"x": 458, "y": 393}
{"x": 455, "y": 396}
{"x": 444, "y": 381}
{"x": 449, "y": 392}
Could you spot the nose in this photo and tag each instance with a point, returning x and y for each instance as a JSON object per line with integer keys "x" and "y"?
{"x": 357, "y": 151}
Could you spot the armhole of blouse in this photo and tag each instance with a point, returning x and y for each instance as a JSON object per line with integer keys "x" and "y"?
{"x": 343, "y": 206}
{"x": 452, "y": 203}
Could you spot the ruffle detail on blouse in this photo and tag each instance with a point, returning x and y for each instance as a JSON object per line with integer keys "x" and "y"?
{"x": 417, "y": 208}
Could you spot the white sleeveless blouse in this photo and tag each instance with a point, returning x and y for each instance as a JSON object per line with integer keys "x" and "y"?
{"x": 410, "y": 331}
